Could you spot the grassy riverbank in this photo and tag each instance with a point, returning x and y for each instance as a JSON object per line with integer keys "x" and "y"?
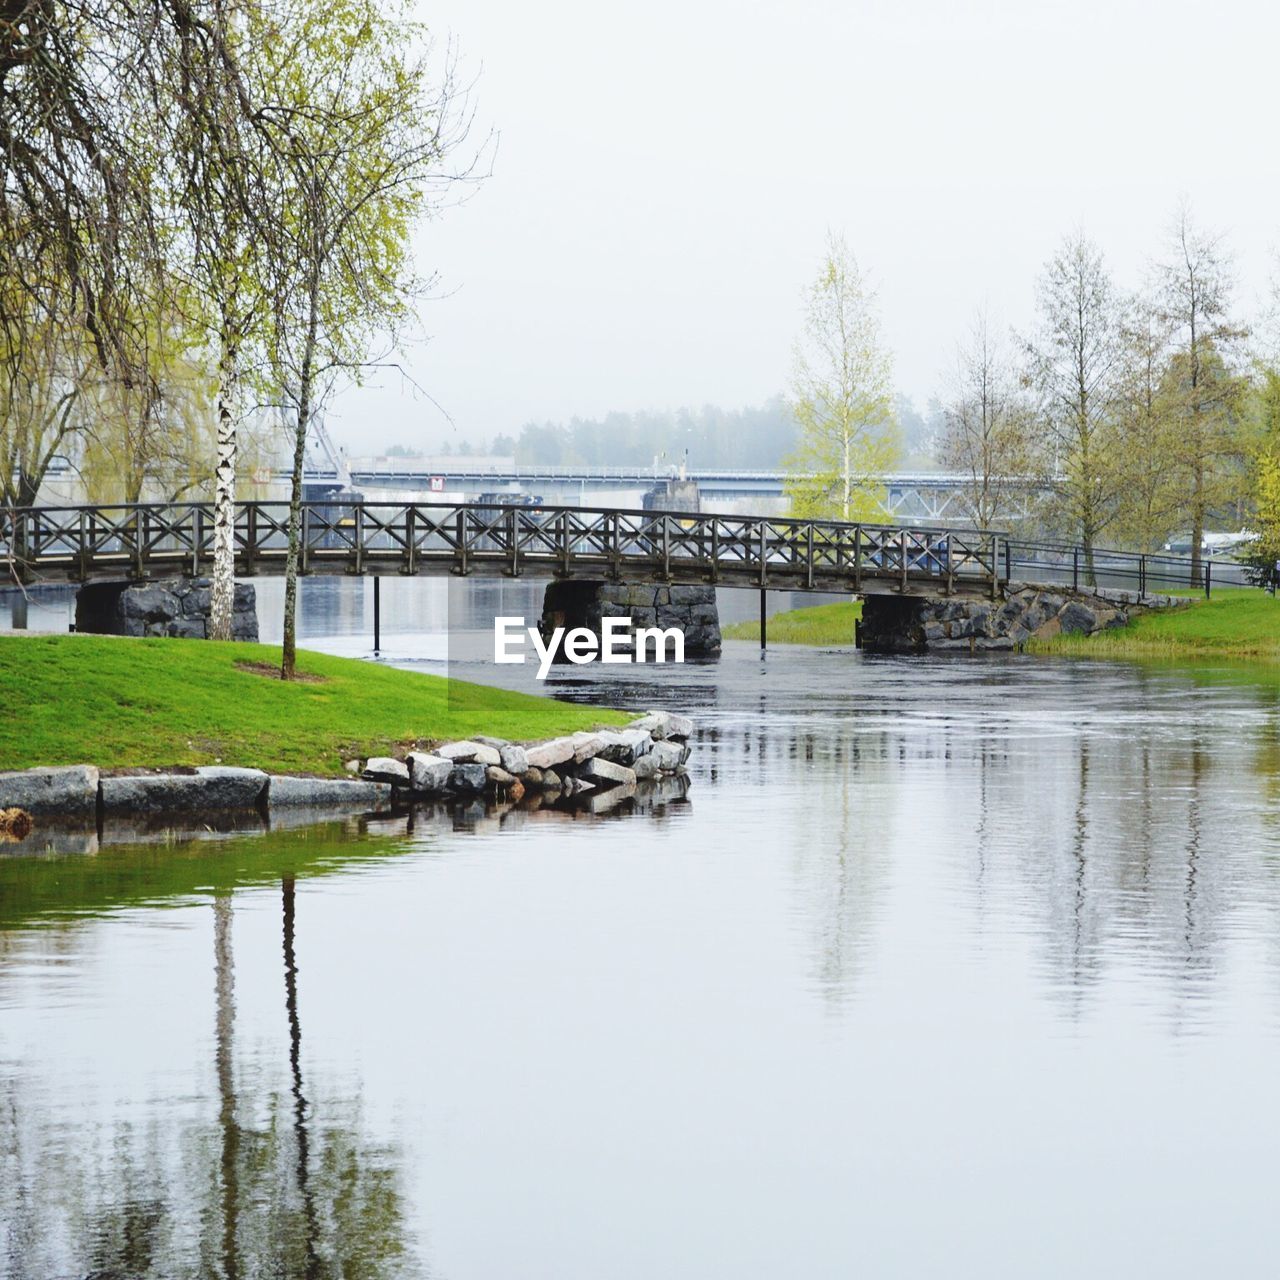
{"x": 1236, "y": 624}
{"x": 822, "y": 624}
{"x": 111, "y": 701}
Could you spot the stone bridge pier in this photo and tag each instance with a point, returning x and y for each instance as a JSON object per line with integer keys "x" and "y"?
{"x": 162, "y": 607}
{"x": 692, "y": 609}
{"x": 1022, "y": 611}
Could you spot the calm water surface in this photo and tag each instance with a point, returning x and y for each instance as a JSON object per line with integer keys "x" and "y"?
{"x": 943, "y": 968}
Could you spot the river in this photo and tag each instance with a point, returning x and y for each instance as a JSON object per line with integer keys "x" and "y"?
{"x": 943, "y": 967}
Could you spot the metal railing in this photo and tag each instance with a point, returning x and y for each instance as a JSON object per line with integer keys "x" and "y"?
{"x": 1144, "y": 573}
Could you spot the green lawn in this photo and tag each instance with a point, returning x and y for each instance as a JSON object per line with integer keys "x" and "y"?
{"x": 115, "y": 702}
{"x": 821, "y": 624}
{"x": 1235, "y": 624}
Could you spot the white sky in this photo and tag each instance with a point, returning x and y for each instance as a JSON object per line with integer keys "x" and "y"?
{"x": 666, "y": 174}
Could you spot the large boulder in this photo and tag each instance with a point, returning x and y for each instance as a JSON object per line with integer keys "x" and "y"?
{"x": 670, "y": 756}
{"x": 386, "y": 769}
{"x": 316, "y": 793}
{"x": 1077, "y": 617}
{"x": 71, "y": 790}
{"x": 469, "y": 778}
{"x": 546, "y": 755}
{"x": 604, "y": 773}
{"x": 205, "y": 791}
{"x": 468, "y": 752}
{"x": 625, "y": 747}
{"x": 428, "y": 772}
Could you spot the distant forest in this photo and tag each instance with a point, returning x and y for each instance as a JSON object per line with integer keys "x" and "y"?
{"x": 752, "y": 439}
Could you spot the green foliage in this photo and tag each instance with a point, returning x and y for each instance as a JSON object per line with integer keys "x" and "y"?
{"x": 118, "y": 702}
{"x": 842, "y": 398}
{"x": 819, "y": 624}
{"x": 1075, "y": 362}
{"x": 1233, "y": 624}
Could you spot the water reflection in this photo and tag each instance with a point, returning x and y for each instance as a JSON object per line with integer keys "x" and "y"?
{"x": 263, "y": 1181}
{"x": 930, "y": 959}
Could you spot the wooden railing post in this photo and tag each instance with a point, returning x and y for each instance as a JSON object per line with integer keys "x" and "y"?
{"x": 995, "y": 565}
{"x": 139, "y": 537}
{"x": 251, "y": 538}
{"x": 808, "y": 551}
{"x": 513, "y": 533}
{"x": 666, "y": 548}
{"x": 304, "y": 537}
{"x": 857, "y": 558}
{"x": 763, "y": 569}
{"x": 564, "y": 543}
{"x": 902, "y": 540}
{"x": 461, "y": 549}
{"x": 83, "y": 556}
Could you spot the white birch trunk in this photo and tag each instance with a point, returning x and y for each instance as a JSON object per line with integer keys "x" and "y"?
{"x": 222, "y": 601}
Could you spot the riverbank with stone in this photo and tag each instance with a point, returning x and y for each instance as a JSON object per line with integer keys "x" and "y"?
{"x": 596, "y": 771}
{"x": 146, "y": 704}
{"x": 1021, "y": 613}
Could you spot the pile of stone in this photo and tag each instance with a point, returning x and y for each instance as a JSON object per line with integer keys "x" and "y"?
{"x": 653, "y": 746}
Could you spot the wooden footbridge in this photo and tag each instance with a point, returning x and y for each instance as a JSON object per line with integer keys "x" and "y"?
{"x": 80, "y": 544}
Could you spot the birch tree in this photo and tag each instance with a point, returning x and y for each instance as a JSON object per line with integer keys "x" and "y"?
{"x": 842, "y": 397}
{"x": 1194, "y": 291}
{"x": 216, "y": 159}
{"x": 987, "y": 434}
{"x": 1075, "y": 363}
{"x": 363, "y": 132}
{"x": 1150, "y": 489}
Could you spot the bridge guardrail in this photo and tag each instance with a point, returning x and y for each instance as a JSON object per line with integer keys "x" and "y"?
{"x": 75, "y": 543}
{"x": 1146, "y": 573}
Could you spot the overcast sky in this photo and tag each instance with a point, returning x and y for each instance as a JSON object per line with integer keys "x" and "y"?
{"x": 666, "y": 173}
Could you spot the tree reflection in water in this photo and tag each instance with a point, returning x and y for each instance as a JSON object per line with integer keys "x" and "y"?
{"x": 272, "y": 1183}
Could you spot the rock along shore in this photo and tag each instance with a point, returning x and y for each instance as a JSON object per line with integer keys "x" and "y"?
{"x": 588, "y": 765}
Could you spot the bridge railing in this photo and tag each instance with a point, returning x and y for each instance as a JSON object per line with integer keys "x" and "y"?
{"x": 76, "y": 543}
{"x": 1146, "y": 573}
{"x": 361, "y": 537}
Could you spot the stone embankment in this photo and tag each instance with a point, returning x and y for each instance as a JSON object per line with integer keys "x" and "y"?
{"x": 612, "y": 760}
{"x": 1024, "y": 611}
{"x": 606, "y": 766}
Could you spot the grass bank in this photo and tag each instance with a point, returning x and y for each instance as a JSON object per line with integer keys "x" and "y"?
{"x": 1236, "y": 624}
{"x": 822, "y": 624}
{"x": 138, "y": 703}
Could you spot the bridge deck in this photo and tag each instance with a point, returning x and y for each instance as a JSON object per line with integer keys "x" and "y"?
{"x": 76, "y": 544}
